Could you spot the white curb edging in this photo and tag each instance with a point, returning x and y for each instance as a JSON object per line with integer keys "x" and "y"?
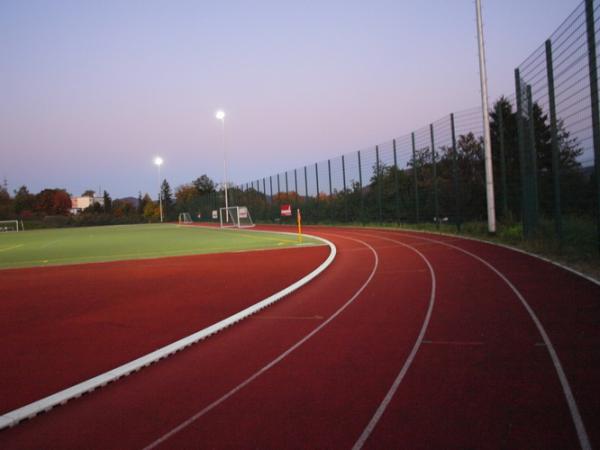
{"x": 29, "y": 411}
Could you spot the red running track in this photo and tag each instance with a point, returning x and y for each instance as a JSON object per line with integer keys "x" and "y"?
{"x": 65, "y": 324}
{"x": 313, "y": 370}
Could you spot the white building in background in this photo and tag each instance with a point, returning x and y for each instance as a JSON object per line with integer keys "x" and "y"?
{"x": 78, "y": 204}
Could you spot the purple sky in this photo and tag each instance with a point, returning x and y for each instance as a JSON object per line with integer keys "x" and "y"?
{"x": 91, "y": 91}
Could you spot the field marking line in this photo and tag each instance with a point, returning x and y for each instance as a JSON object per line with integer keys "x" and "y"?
{"x": 5, "y": 249}
{"x": 48, "y": 244}
{"x": 582, "y": 435}
{"x": 282, "y": 356}
{"x": 30, "y": 410}
{"x": 409, "y": 360}
{"x": 242, "y": 234}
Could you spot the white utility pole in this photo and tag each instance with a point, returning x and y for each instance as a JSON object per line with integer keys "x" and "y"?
{"x": 487, "y": 141}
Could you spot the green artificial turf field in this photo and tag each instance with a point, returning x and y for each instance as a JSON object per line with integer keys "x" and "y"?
{"x": 112, "y": 243}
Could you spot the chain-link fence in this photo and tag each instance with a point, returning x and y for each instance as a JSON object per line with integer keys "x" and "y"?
{"x": 545, "y": 142}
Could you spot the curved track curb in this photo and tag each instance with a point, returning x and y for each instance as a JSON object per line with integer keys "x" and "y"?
{"x": 31, "y": 410}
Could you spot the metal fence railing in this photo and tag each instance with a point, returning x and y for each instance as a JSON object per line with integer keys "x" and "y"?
{"x": 546, "y": 155}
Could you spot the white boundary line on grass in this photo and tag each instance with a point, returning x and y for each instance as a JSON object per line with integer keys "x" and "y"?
{"x": 29, "y": 411}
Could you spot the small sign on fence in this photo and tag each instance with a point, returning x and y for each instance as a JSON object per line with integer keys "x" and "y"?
{"x": 215, "y": 214}
{"x": 286, "y": 210}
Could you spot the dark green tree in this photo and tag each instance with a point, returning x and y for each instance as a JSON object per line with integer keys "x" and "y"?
{"x": 6, "y": 204}
{"x": 167, "y": 198}
{"x": 204, "y": 184}
{"x": 107, "y": 202}
{"x": 572, "y": 181}
{"x": 24, "y": 200}
{"x": 140, "y": 203}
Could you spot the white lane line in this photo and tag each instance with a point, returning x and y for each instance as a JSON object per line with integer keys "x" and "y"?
{"x": 30, "y": 410}
{"x": 408, "y": 362}
{"x": 497, "y": 244}
{"x": 277, "y": 360}
{"x": 457, "y": 343}
{"x": 584, "y": 440}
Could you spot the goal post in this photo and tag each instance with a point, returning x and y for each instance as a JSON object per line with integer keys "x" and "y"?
{"x": 235, "y": 217}
{"x": 184, "y": 218}
{"x": 9, "y": 225}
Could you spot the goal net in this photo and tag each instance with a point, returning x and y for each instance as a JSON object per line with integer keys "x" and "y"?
{"x": 235, "y": 217}
{"x": 185, "y": 218}
{"x": 9, "y": 225}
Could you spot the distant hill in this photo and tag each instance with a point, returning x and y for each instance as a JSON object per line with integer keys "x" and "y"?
{"x": 133, "y": 201}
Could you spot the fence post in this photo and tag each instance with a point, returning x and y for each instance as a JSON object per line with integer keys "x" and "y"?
{"x": 435, "y": 186}
{"x": 271, "y": 186}
{"x": 305, "y": 185}
{"x": 396, "y": 184}
{"x": 329, "y": 170}
{"x": 360, "y": 182}
{"x": 525, "y": 207}
{"x": 287, "y": 189}
{"x": 458, "y": 218}
{"x": 317, "y": 206}
{"x": 345, "y": 193}
{"x": 317, "y": 178}
{"x": 296, "y": 182}
{"x": 265, "y": 213}
{"x": 414, "y": 152}
{"x": 500, "y": 117}
{"x": 379, "y": 181}
{"x": 533, "y": 173}
{"x": 555, "y": 149}
{"x": 278, "y": 187}
{"x": 593, "y": 74}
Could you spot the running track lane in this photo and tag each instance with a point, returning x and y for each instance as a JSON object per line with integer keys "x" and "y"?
{"x": 475, "y": 380}
{"x": 65, "y": 324}
{"x": 568, "y": 308}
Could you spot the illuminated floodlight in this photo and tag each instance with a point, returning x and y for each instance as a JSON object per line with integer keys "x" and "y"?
{"x": 220, "y": 114}
{"x": 158, "y": 161}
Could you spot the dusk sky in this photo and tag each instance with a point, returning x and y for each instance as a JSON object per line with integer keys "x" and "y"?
{"x": 92, "y": 91}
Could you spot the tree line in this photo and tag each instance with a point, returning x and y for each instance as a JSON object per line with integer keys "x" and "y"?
{"x": 52, "y": 206}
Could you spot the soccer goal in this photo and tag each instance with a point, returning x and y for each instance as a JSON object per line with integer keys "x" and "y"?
{"x": 235, "y": 217}
{"x": 185, "y": 218}
{"x": 9, "y": 225}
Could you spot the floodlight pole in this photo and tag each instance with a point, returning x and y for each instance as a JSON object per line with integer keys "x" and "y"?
{"x": 158, "y": 161}
{"x": 487, "y": 142}
{"x": 221, "y": 116}
{"x": 224, "y": 162}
